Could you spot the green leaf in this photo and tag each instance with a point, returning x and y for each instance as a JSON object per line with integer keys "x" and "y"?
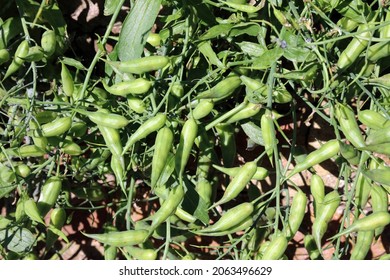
{"x": 253, "y": 132}
{"x": 248, "y": 28}
{"x": 268, "y": 58}
{"x": 136, "y": 28}
{"x": 206, "y": 49}
{"x": 59, "y": 233}
{"x": 17, "y": 239}
{"x": 9, "y": 29}
{"x": 216, "y": 31}
{"x": 194, "y": 204}
{"x": 251, "y": 49}
{"x": 110, "y": 6}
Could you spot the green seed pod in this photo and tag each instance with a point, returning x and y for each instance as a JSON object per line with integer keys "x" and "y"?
{"x": 205, "y": 190}
{"x": 328, "y": 208}
{"x": 141, "y": 253}
{"x": 247, "y": 112}
{"x": 222, "y": 90}
{"x": 238, "y": 183}
{"x": 311, "y": 247}
{"x": 17, "y": 62}
{"x": 141, "y": 65}
{"x": 325, "y": 152}
{"x": 112, "y": 139}
{"x": 377, "y": 137}
{"x": 362, "y": 245}
{"x": 45, "y": 116}
{"x": 154, "y": 39}
{"x": 260, "y": 174}
{"x": 168, "y": 207}
{"x": 120, "y": 238}
{"x": 22, "y": 170}
{"x": 268, "y": 133}
{"x": 363, "y": 189}
{"x": 348, "y": 152}
{"x": 30, "y": 151}
{"x": 297, "y": 212}
{"x": 4, "y": 56}
{"x": 368, "y": 223}
{"x": 317, "y": 189}
{"x": 67, "y": 80}
{"x": 203, "y": 108}
{"x": 348, "y": 124}
{"x": 55, "y": 128}
{"x": 231, "y": 218}
{"x": 276, "y": 247}
{"x": 137, "y": 86}
{"x": 151, "y": 125}
{"x": 188, "y": 135}
{"x": 373, "y": 119}
{"x": 107, "y": 119}
{"x": 163, "y": 146}
{"x": 379, "y": 203}
{"x": 136, "y": 104}
{"x": 48, "y": 42}
{"x": 49, "y": 194}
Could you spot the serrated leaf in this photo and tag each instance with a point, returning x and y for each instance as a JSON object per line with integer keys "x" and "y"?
{"x": 16, "y": 239}
{"x": 253, "y": 132}
{"x": 136, "y": 28}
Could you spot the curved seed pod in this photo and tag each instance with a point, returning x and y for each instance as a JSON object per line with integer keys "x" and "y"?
{"x": 348, "y": 152}
{"x": 151, "y": 125}
{"x": 276, "y": 247}
{"x": 379, "y": 202}
{"x": 136, "y": 104}
{"x": 297, "y": 212}
{"x": 55, "y": 128}
{"x": 325, "y": 152}
{"x": 317, "y": 189}
{"x": 106, "y": 119}
{"x": 268, "y": 133}
{"x": 67, "y": 80}
{"x": 238, "y": 183}
{"x": 349, "y": 125}
{"x": 137, "y": 86}
{"x": 163, "y": 146}
{"x": 168, "y": 207}
{"x": 112, "y": 139}
{"x": 49, "y": 194}
{"x": 231, "y": 218}
{"x": 260, "y": 174}
{"x": 368, "y": 223}
{"x": 222, "y": 90}
{"x": 141, "y": 253}
{"x": 188, "y": 135}
{"x": 48, "y": 42}
{"x": 120, "y": 238}
{"x": 18, "y": 60}
{"x": 243, "y": 225}
{"x": 203, "y": 108}
{"x": 362, "y": 245}
{"x": 247, "y": 112}
{"x": 328, "y": 208}
{"x": 141, "y": 65}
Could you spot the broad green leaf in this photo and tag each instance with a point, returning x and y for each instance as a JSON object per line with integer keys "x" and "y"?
{"x": 294, "y": 47}
{"x": 8, "y": 30}
{"x": 136, "y": 28}
{"x": 216, "y": 31}
{"x": 110, "y": 6}
{"x": 248, "y": 28}
{"x": 268, "y": 58}
{"x": 253, "y": 132}
{"x": 251, "y": 49}
{"x": 203, "y": 12}
{"x": 17, "y": 239}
